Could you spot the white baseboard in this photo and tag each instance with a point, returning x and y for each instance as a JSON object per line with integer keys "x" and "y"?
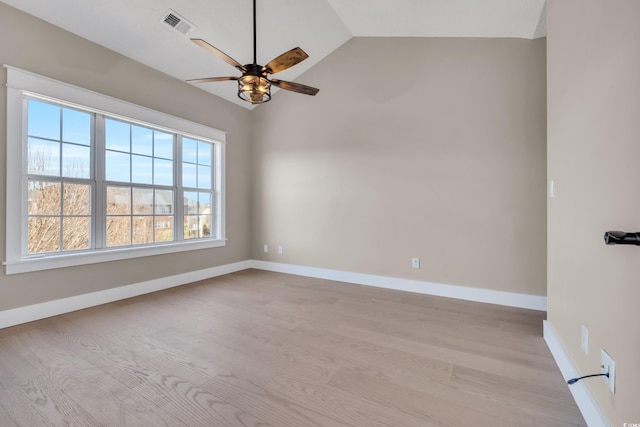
{"x": 590, "y": 411}
{"x": 43, "y": 310}
{"x": 512, "y": 299}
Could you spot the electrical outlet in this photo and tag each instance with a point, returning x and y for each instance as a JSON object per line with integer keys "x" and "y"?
{"x": 415, "y": 262}
{"x": 266, "y": 248}
{"x": 585, "y": 340}
{"x": 608, "y": 365}
{"x": 280, "y": 250}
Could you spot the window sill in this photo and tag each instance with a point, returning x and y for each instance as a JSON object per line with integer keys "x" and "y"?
{"x": 47, "y": 262}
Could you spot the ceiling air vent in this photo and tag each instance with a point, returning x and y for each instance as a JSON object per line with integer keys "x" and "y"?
{"x": 177, "y": 22}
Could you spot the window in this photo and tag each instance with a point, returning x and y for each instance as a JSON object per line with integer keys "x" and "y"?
{"x": 98, "y": 179}
{"x": 59, "y": 186}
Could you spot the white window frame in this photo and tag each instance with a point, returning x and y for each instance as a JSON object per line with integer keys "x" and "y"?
{"x": 22, "y": 83}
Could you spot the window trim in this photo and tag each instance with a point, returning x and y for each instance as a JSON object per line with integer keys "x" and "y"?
{"x": 21, "y": 83}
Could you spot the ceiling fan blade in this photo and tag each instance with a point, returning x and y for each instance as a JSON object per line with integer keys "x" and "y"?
{"x": 212, "y": 79}
{"x": 295, "y": 87}
{"x": 220, "y": 54}
{"x": 286, "y": 60}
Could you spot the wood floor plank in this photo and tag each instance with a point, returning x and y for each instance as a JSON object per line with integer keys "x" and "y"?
{"x": 317, "y": 357}
{"x": 205, "y": 348}
{"x": 536, "y": 375}
{"x": 454, "y": 340}
{"x": 58, "y": 364}
{"x": 121, "y": 363}
{"x": 194, "y": 405}
{"x": 378, "y": 353}
{"x": 526, "y": 328}
{"x": 273, "y": 408}
{"x": 255, "y": 348}
{"x": 427, "y": 349}
{"x": 553, "y": 403}
{"x": 37, "y": 402}
{"x": 512, "y": 411}
{"x": 397, "y": 312}
{"x": 113, "y": 404}
{"x": 5, "y": 418}
{"x": 346, "y": 407}
{"x": 164, "y": 358}
{"x": 136, "y": 315}
{"x": 327, "y": 348}
{"x": 14, "y": 369}
{"x": 432, "y": 409}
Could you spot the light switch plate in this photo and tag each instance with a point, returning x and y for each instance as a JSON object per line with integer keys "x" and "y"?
{"x": 584, "y": 342}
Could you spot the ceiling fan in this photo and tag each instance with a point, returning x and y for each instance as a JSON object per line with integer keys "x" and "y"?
{"x": 254, "y": 85}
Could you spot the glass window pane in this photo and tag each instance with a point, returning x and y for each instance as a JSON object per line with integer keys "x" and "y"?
{"x": 43, "y": 157}
{"x": 204, "y": 177}
{"x": 191, "y": 227}
{"x": 205, "y": 226}
{"x": 141, "y": 140}
{"x": 204, "y": 203}
{"x": 43, "y": 235}
{"x": 44, "y": 198}
{"x": 118, "y": 200}
{"x": 118, "y": 230}
{"x": 162, "y": 172}
{"x": 76, "y": 199}
{"x": 76, "y": 126}
{"x": 189, "y": 175}
{"x": 164, "y": 202}
{"x": 189, "y": 150}
{"x": 43, "y": 120}
{"x": 76, "y": 161}
{"x": 142, "y": 230}
{"x": 141, "y": 169}
{"x": 117, "y": 135}
{"x": 164, "y": 228}
{"x": 204, "y": 153}
{"x": 117, "y": 167}
{"x": 190, "y": 202}
{"x": 143, "y": 201}
{"x": 75, "y": 233}
{"x": 162, "y": 145}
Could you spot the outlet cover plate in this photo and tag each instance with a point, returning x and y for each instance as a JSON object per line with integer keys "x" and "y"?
{"x": 608, "y": 365}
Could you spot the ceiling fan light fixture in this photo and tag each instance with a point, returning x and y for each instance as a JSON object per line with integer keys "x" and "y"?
{"x": 254, "y": 89}
{"x": 254, "y": 85}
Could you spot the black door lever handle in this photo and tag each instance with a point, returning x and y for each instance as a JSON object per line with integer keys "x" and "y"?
{"x": 621, "y": 238}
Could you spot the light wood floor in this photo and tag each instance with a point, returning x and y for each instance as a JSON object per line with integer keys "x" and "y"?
{"x": 264, "y": 349}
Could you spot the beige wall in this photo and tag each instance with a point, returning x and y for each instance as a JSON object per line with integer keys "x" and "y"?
{"x": 593, "y": 152}
{"x": 414, "y": 147}
{"x": 36, "y": 46}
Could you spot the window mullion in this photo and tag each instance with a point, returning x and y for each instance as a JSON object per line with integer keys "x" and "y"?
{"x": 179, "y": 201}
{"x": 60, "y": 163}
{"x": 98, "y": 213}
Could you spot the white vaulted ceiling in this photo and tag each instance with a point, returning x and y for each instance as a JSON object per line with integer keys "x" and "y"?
{"x": 135, "y": 28}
